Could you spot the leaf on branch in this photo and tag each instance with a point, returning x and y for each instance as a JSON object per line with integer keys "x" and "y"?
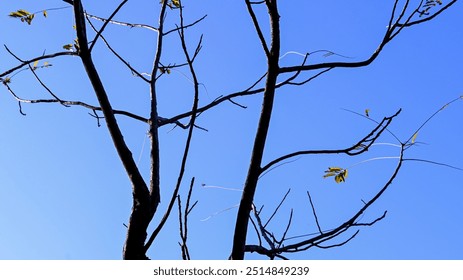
{"x": 432, "y": 3}
{"x": 367, "y": 112}
{"x": 340, "y": 174}
{"x": 341, "y": 177}
{"x": 360, "y": 146}
{"x": 45, "y": 14}
{"x": 7, "y": 80}
{"x": 334, "y": 169}
{"x": 19, "y": 13}
{"x": 23, "y": 15}
{"x": 76, "y": 44}
{"x": 36, "y": 65}
{"x": 173, "y": 4}
{"x": 164, "y": 70}
{"x": 427, "y": 6}
{"x": 68, "y": 47}
{"x": 329, "y": 174}
{"x": 414, "y": 137}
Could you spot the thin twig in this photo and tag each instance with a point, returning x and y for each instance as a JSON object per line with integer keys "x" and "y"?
{"x": 98, "y": 34}
{"x": 131, "y": 25}
{"x": 277, "y": 208}
{"x": 314, "y": 213}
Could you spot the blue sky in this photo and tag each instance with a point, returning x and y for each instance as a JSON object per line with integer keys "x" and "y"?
{"x": 65, "y": 195}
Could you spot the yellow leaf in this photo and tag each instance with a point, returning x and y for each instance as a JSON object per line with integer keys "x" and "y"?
{"x": 176, "y": 3}
{"x": 367, "y": 112}
{"x": 45, "y": 13}
{"x": 164, "y": 70}
{"x": 360, "y": 146}
{"x": 19, "y": 13}
{"x": 67, "y": 47}
{"x": 23, "y": 12}
{"x": 15, "y": 14}
{"x": 334, "y": 169}
{"x": 23, "y": 15}
{"x": 35, "y": 64}
{"x": 329, "y": 174}
{"x": 414, "y": 137}
{"x": 341, "y": 177}
{"x": 339, "y": 174}
{"x": 29, "y": 19}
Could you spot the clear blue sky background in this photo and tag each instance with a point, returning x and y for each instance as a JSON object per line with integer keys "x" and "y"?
{"x": 64, "y": 193}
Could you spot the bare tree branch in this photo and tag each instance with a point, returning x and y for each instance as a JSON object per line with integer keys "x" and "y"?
{"x": 46, "y": 87}
{"x": 242, "y": 219}
{"x": 257, "y": 28}
{"x": 314, "y": 213}
{"x": 277, "y": 208}
{"x": 146, "y": 198}
{"x": 183, "y": 221}
{"x": 330, "y": 234}
{"x": 128, "y": 24}
{"x": 407, "y": 24}
{"x": 190, "y": 131}
{"x": 99, "y": 32}
{"x": 132, "y": 69}
{"x": 360, "y": 147}
{"x": 338, "y": 244}
{"x": 142, "y": 210}
{"x": 285, "y": 232}
{"x": 186, "y": 26}
{"x": 392, "y": 31}
{"x": 39, "y": 58}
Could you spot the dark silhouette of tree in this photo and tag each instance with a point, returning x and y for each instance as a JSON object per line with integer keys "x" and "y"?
{"x": 146, "y": 195}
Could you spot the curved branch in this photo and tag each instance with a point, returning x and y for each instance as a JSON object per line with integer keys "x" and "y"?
{"x": 186, "y": 26}
{"x": 246, "y": 92}
{"x": 360, "y": 147}
{"x": 352, "y": 221}
{"x": 338, "y": 244}
{"x": 392, "y": 31}
{"x": 325, "y": 67}
{"x": 29, "y": 61}
{"x": 128, "y": 24}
